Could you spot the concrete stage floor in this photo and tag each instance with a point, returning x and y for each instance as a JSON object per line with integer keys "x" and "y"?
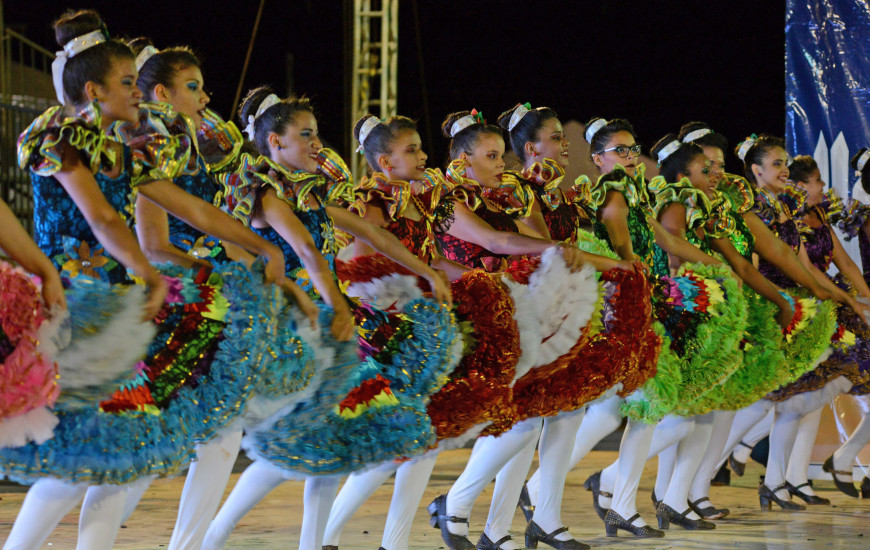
{"x": 274, "y": 524}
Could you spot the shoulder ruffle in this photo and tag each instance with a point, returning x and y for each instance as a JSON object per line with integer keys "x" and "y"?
{"x": 40, "y": 146}
{"x": 794, "y": 201}
{"x": 738, "y": 191}
{"x": 514, "y": 196}
{"x": 832, "y": 206}
{"x": 162, "y": 141}
{"x": 852, "y": 219}
{"x": 617, "y": 180}
{"x": 395, "y": 195}
{"x": 461, "y": 187}
{"x": 696, "y": 202}
{"x": 767, "y": 206}
{"x": 219, "y": 141}
{"x": 547, "y": 176}
{"x": 720, "y": 222}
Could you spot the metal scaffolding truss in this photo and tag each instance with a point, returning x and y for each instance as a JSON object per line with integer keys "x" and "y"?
{"x": 375, "y": 63}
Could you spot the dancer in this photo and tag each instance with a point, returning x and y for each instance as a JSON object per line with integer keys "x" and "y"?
{"x": 284, "y": 195}
{"x": 29, "y": 315}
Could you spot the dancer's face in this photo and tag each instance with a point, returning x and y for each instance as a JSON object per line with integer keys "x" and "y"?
{"x": 486, "y": 161}
{"x": 118, "y": 96}
{"x": 815, "y": 187}
{"x": 186, "y": 93}
{"x": 699, "y": 173}
{"x": 551, "y": 144}
{"x": 300, "y": 143}
{"x": 773, "y": 170}
{"x": 717, "y": 163}
{"x": 607, "y": 161}
{"x": 406, "y": 160}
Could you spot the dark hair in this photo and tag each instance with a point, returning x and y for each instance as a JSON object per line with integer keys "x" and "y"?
{"x": 162, "y": 66}
{"x": 865, "y": 173}
{"x": 274, "y": 119}
{"x": 527, "y": 129}
{"x": 756, "y": 153}
{"x": 380, "y": 139}
{"x": 801, "y": 168}
{"x": 91, "y": 65}
{"x": 467, "y": 139}
{"x": 599, "y": 140}
{"x": 677, "y": 162}
{"x": 710, "y": 140}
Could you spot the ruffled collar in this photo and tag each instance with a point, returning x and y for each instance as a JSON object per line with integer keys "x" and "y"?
{"x": 738, "y": 192}
{"x": 514, "y": 196}
{"x": 768, "y": 206}
{"x": 632, "y": 188}
{"x": 547, "y": 176}
{"x": 698, "y": 206}
{"x": 396, "y": 195}
{"x": 332, "y": 183}
{"x": 852, "y": 218}
{"x": 219, "y": 141}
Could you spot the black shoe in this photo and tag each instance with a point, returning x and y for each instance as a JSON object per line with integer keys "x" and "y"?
{"x": 485, "y": 544}
{"x": 525, "y": 504}
{"x": 593, "y": 483}
{"x": 654, "y": 499}
{"x": 845, "y": 486}
{"x": 614, "y": 522}
{"x": 722, "y": 477}
{"x": 809, "y": 499}
{"x": 438, "y": 518}
{"x": 766, "y": 496}
{"x": 736, "y": 466}
{"x": 667, "y": 515}
{"x": 865, "y": 487}
{"x": 534, "y": 535}
{"x": 709, "y": 512}
{"x": 328, "y": 547}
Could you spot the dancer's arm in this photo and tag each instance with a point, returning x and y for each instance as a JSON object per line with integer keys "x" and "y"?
{"x": 281, "y": 218}
{"x": 15, "y": 241}
{"x": 387, "y": 244}
{"x": 152, "y": 229}
{"x": 849, "y": 268}
{"x": 535, "y": 221}
{"x": 680, "y": 247}
{"x": 673, "y": 219}
{"x": 111, "y": 231}
{"x": 212, "y": 221}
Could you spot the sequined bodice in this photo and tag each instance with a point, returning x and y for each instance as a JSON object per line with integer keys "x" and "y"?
{"x": 643, "y": 241}
{"x": 189, "y": 238}
{"x": 562, "y": 222}
{"x": 62, "y": 232}
{"x": 742, "y": 239}
{"x": 820, "y": 246}
{"x": 472, "y": 255}
{"x": 413, "y": 234}
{"x": 788, "y": 232}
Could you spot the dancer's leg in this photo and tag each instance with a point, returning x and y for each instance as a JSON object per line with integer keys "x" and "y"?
{"x": 782, "y": 438}
{"x": 600, "y": 420}
{"x": 203, "y": 489}
{"x": 745, "y": 419}
{"x": 799, "y": 463}
{"x": 508, "y": 485}
{"x": 668, "y": 431}
{"x": 707, "y": 469}
{"x": 135, "y": 492}
{"x": 411, "y": 481}
{"x": 690, "y": 452}
{"x": 318, "y": 498}
{"x": 554, "y": 453}
{"x": 845, "y": 456}
{"x": 46, "y": 503}
{"x": 490, "y": 454}
{"x": 358, "y": 488}
{"x": 253, "y": 485}
{"x": 632, "y": 456}
{"x": 100, "y": 517}
{"x": 667, "y": 462}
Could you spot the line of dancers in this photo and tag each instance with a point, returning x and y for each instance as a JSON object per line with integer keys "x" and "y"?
{"x": 183, "y": 300}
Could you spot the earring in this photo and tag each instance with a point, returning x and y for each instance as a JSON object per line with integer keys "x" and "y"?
{"x": 280, "y": 148}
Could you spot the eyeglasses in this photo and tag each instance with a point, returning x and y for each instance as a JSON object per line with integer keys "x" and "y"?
{"x": 623, "y": 150}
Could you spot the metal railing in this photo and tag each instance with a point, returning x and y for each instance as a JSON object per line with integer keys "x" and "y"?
{"x": 14, "y": 182}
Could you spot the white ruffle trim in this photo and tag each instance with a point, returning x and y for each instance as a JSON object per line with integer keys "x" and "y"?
{"x": 527, "y": 318}
{"x": 35, "y": 425}
{"x": 388, "y": 293}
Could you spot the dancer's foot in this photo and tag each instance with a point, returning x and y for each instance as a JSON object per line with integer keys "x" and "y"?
{"x": 779, "y": 495}
{"x": 600, "y": 500}
{"x": 705, "y": 509}
{"x": 525, "y": 504}
{"x": 842, "y": 478}
{"x": 634, "y": 525}
{"x": 504, "y": 542}
{"x": 454, "y": 530}
{"x": 534, "y": 535}
{"x": 739, "y": 457}
{"x": 667, "y": 515}
{"x": 804, "y": 491}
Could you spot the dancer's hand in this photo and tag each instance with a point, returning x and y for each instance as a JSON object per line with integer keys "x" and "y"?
{"x": 342, "y": 327}
{"x": 572, "y": 255}
{"x": 440, "y": 287}
{"x": 157, "y": 291}
{"x": 784, "y": 316}
{"x": 274, "y": 272}
{"x": 52, "y": 291}
{"x": 302, "y": 300}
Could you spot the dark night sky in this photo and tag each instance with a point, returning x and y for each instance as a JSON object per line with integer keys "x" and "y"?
{"x": 659, "y": 64}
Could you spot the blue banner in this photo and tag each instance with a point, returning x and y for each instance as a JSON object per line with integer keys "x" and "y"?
{"x": 828, "y": 87}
